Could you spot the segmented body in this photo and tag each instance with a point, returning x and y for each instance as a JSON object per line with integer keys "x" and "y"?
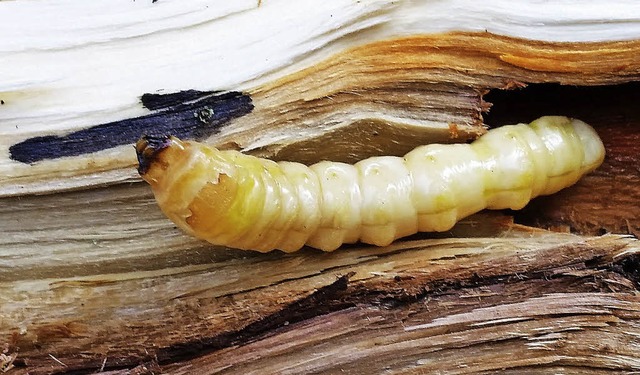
{"x": 236, "y": 200}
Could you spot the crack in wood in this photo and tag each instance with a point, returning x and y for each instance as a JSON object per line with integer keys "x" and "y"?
{"x": 340, "y": 296}
{"x": 315, "y": 304}
{"x": 598, "y": 264}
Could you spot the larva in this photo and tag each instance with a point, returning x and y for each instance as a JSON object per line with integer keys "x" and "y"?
{"x": 241, "y": 201}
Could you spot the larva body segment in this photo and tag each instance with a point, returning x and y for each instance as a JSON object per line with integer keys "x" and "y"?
{"x": 241, "y": 201}
{"x": 387, "y": 209}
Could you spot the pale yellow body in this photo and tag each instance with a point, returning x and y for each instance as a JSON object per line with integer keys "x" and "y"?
{"x": 240, "y": 201}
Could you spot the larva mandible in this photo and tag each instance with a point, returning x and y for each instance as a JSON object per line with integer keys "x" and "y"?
{"x": 241, "y": 201}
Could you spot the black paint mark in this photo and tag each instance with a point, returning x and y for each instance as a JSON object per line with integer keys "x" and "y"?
{"x": 187, "y": 114}
{"x": 1, "y": 102}
{"x": 163, "y": 101}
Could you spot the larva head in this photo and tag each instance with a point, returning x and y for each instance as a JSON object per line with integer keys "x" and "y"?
{"x": 191, "y": 182}
{"x": 153, "y": 153}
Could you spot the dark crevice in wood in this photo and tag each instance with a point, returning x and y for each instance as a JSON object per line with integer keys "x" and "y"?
{"x": 411, "y": 291}
{"x": 324, "y": 300}
{"x": 629, "y": 267}
{"x": 588, "y": 103}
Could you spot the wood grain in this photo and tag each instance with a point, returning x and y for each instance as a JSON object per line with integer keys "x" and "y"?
{"x": 175, "y": 315}
{"x": 427, "y": 87}
{"x": 81, "y": 285}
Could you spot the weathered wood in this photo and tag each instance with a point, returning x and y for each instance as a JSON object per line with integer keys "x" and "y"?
{"x": 422, "y": 294}
{"x": 522, "y": 335}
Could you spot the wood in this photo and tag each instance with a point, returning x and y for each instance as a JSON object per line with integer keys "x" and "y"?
{"x": 94, "y": 279}
{"x": 516, "y": 338}
{"x": 462, "y": 295}
{"x": 426, "y": 88}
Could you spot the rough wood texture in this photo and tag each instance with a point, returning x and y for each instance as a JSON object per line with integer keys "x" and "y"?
{"x": 102, "y": 294}
{"x": 468, "y": 302}
{"x": 522, "y": 336}
{"x": 93, "y": 292}
{"x": 80, "y": 292}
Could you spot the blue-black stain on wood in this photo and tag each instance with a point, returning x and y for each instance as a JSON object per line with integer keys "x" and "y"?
{"x": 187, "y": 114}
{"x": 163, "y": 101}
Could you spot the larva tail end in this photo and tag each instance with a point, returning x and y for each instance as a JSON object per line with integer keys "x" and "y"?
{"x": 147, "y": 149}
{"x": 593, "y": 148}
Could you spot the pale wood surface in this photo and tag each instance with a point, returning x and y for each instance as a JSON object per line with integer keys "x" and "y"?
{"x": 389, "y": 96}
